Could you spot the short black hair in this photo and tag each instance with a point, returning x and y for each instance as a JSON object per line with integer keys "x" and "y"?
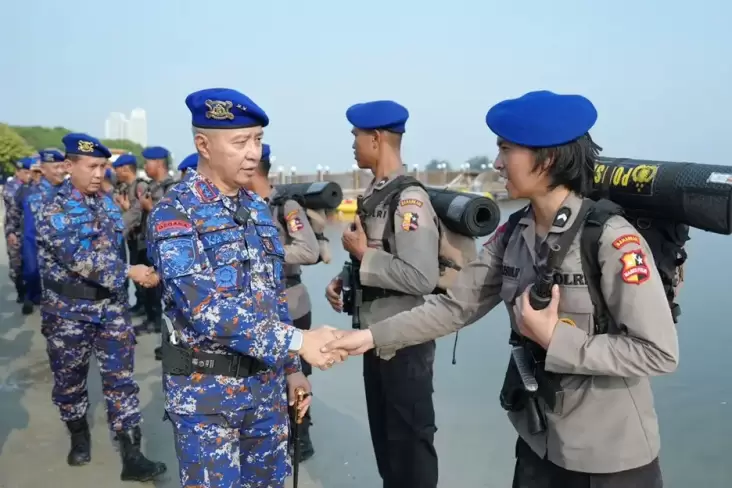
{"x": 265, "y": 166}
{"x": 571, "y": 165}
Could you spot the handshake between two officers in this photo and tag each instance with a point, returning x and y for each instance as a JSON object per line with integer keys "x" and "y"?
{"x": 327, "y": 345}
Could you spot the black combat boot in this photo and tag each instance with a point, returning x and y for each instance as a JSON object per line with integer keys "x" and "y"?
{"x": 27, "y": 307}
{"x": 80, "y": 453}
{"x": 135, "y": 466}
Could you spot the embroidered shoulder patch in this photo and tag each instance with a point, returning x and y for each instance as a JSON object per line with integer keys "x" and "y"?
{"x": 635, "y": 271}
{"x": 177, "y": 256}
{"x": 410, "y": 221}
{"x": 410, "y": 201}
{"x": 294, "y": 224}
{"x": 171, "y": 226}
{"x": 291, "y": 215}
{"x": 626, "y": 239}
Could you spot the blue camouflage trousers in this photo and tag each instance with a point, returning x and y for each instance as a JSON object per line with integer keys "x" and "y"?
{"x": 246, "y": 448}
{"x": 14, "y": 262}
{"x": 69, "y": 344}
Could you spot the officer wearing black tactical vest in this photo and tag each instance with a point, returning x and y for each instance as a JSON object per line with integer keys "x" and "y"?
{"x": 301, "y": 249}
{"x": 577, "y": 389}
{"x": 394, "y": 263}
{"x": 157, "y": 168}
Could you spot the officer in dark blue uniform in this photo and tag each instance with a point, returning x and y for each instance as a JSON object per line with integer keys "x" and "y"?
{"x": 53, "y": 173}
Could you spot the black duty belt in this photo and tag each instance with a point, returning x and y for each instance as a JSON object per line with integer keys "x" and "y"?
{"x": 291, "y": 281}
{"x": 371, "y": 293}
{"x": 79, "y": 291}
{"x": 182, "y": 361}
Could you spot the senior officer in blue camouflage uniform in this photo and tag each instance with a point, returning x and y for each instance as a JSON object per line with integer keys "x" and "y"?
{"x": 84, "y": 306}
{"x": 52, "y": 175}
{"x": 230, "y": 357}
{"x": 12, "y": 236}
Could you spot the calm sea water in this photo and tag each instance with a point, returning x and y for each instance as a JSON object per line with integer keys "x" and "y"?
{"x": 475, "y": 440}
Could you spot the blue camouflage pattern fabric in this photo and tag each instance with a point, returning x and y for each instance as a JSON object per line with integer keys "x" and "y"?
{"x": 224, "y": 289}
{"x": 80, "y": 244}
{"x": 29, "y": 247}
{"x": 10, "y": 189}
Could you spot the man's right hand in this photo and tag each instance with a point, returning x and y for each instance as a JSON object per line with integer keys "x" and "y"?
{"x": 12, "y": 240}
{"x": 314, "y": 340}
{"x": 333, "y": 294}
{"x": 144, "y": 275}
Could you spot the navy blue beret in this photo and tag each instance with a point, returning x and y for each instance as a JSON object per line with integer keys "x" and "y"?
{"x": 191, "y": 161}
{"x": 542, "y": 119}
{"x": 125, "y": 160}
{"x": 381, "y": 114}
{"x": 155, "y": 152}
{"x": 85, "y": 145}
{"x": 108, "y": 174}
{"x": 51, "y": 156}
{"x": 266, "y": 151}
{"x": 222, "y": 108}
{"x": 26, "y": 163}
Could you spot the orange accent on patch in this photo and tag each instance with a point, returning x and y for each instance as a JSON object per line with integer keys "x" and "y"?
{"x": 567, "y": 321}
{"x": 634, "y": 270}
{"x": 626, "y": 239}
{"x": 291, "y": 215}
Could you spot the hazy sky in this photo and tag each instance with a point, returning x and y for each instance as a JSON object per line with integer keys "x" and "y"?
{"x": 659, "y": 72}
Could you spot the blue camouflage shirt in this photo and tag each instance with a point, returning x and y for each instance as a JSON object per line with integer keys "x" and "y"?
{"x": 224, "y": 291}
{"x": 81, "y": 243}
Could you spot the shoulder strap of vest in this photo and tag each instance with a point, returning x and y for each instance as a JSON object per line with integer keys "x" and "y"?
{"x": 512, "y": 223}
{"x": 600, "y": 213}
{"x": 168, "y": 184}
{"x": 393, "y": 188}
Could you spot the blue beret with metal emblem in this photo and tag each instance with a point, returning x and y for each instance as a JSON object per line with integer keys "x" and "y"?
{"x": 155, "y": 152}
{"x": 51, "y": 156}
{"x": 125, "y": 160}
{"x": 191, "y": 161}
{"x": 85, "y": 145}
{"x": 378, "y": 115}
{"x": 223, "y": 108}
{"x": 542, "y": 119}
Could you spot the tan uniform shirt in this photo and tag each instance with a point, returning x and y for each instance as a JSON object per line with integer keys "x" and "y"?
{"x": 301, "y": 248}
{"x": 609, "y": 422}
{"x": 413, "y": 268}
{"x": 132, "y": 217}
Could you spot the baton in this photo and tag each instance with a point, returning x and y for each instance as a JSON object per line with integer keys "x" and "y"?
{"x": 301, "y": 396}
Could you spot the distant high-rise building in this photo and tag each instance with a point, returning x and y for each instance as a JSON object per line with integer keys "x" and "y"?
{"x": 115, "y": 126}
{"x": 137, "y": 127}
{"x": 118, "y": 126}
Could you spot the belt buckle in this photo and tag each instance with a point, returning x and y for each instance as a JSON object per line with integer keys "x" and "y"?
{"x": 235, "y": 365}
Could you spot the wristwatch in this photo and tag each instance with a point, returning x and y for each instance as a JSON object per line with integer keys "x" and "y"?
{"x": 296, "y": 341}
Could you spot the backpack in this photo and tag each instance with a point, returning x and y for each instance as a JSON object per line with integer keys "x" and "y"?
{"x": 454, "y": 250}
{"x": 665, "y": 239}
{"x": 316, "y": 218}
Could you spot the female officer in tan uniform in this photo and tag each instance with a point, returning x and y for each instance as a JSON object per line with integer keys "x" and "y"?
{"x": 606, "y": 433}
